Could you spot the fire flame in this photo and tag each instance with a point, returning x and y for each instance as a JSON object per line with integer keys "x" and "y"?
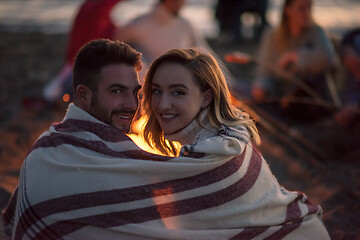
{"x": 136, "y": 136}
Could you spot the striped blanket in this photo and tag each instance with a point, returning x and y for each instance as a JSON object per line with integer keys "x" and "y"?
{"x": 86, "y": 180}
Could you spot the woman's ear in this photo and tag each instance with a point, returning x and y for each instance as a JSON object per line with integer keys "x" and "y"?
{"x": 83, "y": 97}
{"x": 207, "y": 98}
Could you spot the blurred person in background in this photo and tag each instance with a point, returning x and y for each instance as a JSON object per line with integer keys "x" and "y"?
{"x": 299, "y": 47}
{"x": 349, "y": 114}
{"x": 92, "y": 21}
{"x": 160, "y": 30}
{"x": 229, "y": 12}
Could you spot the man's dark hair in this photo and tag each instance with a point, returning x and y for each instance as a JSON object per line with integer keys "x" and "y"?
{"x": 96, "y": 54}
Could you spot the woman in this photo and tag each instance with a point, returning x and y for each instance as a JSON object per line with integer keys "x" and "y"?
{"x": 298, "y": 47}
{"x": 186, "y": 99}
{"x": 221, "y": 111}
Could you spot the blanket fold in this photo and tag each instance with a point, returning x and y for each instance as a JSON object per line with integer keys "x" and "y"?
{"x": 84, "y": 179}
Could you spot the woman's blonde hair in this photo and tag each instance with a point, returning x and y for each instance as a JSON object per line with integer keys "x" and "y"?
{"x": 207, "y": 75}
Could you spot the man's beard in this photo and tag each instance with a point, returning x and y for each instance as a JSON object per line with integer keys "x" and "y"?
{"x": 106, "y": 117}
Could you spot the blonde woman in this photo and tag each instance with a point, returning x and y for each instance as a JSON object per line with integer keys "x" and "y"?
{"x": 186, "y": 99}
{"x": 298, "y": 46}
{"x": 210, "y": 86}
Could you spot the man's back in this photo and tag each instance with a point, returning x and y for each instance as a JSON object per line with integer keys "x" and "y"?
{"x": 159, "y": 31}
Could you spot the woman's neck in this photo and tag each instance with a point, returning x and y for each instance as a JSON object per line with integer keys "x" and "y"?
{"x": 191, "y": 132}
{"x": 186, "y": 135}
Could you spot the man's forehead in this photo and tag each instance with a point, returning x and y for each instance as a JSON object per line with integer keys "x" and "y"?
{"x": 121, "y": 74}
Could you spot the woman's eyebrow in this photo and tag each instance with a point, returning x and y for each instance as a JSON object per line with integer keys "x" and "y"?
{"x": 173, "y": 85}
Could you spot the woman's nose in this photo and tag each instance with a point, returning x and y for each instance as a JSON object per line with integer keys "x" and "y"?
{"x": 164, "y": 102}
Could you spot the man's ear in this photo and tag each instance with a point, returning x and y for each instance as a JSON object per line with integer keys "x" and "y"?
{"x": 207, "y": 98}
{"x": 83, "y": 97}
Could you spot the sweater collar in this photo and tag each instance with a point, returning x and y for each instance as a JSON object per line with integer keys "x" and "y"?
{"x": 194, "y": 131}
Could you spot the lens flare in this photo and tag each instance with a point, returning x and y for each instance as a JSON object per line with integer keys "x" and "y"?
{"x": 66, "y": 97}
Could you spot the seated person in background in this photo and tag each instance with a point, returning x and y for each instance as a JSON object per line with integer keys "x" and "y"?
{"x": 298, "y": 47}
{"x": 186, "y": 99}
{"x": 228, "y": 13}
{"x": 159, "y": 31}
{"x": 349, "y": 115}
{"x": 91, "y": 22}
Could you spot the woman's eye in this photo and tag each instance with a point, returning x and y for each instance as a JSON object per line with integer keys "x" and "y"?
{"x": 178, "y": 93}
{"x": 156, "y": 91}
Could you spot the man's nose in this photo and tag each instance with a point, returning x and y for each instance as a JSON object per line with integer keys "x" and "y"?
{"x": 131, "y": 102}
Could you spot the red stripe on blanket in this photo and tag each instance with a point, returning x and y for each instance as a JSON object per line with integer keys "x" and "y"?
{"x": 9, "y": 212}
{"x": 56, "y": 139}
{"x": 32, "y": 216}
{"x": 103, "y": 131}
{"x": 293, "y": 211}
{"x": 249, "y": 233}
{"x": 293, "y": 220}
{"x": 87, "y": 200}
{"x": 172, "y": 209}
{"x": 311, "y": 207}
{"x": 284, "y": 231}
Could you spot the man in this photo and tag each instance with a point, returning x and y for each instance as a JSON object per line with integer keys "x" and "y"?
{"x": 61, "y": 170}
{"x": 106, "y": 82}
{"x": 160, "y": 30}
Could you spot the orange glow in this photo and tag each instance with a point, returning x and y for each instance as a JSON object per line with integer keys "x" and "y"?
{"x": 241, "y": 105}
{"x": 165, "y": 205}
{"x": 136, "y": 136}
{"x": 139, "y": 141}
{"x": 66, "y": 97}
{"x": 238, "y": 57}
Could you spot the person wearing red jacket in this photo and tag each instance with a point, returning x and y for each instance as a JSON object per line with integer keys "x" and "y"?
{"x": 92, "y": 21}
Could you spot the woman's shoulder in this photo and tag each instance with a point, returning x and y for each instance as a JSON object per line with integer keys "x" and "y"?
{"x": 239, "y": 132}
{"x": 316, "y": 30}
{"x": 225, "y": 141}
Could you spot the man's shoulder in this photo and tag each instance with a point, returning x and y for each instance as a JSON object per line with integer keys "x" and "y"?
{"x": 184, "y": 21}
{"x": 140, "y": 19}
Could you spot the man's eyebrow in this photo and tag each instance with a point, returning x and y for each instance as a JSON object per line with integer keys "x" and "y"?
{"x": 173, "y": 85}
{"x": 117, "y": 85}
